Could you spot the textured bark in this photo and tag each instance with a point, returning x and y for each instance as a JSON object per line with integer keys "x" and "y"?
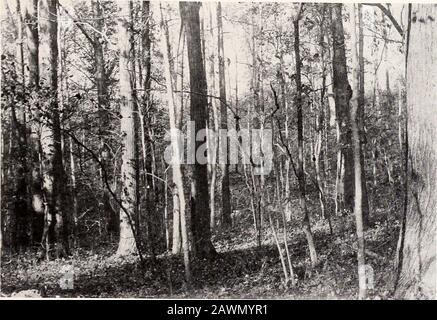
{"x": 226, "y": 195}
{"x": 127, "y": 245}
{"x": 53, "y": 169}
{"x": 342, "y": 94}
{"x": 200, "y": 214}
{"x": 417, "y": 255}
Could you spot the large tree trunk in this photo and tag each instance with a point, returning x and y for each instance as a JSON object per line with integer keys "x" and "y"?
{"x": 417, "y": 255}
{"x": 53, "y": 169}
{"x": 342, "y": 92}
{"x": 226, "y": 195}
{"x": 200, "y": 214}
{"x": 127, "y": 245}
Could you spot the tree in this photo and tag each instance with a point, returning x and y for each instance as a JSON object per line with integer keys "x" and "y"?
{"x": 148, "y": 180}
{"x": 226, "y": 195}
{"x": 19, "y": 147}
{"x": 417, "y": 251}
{"x": 213, "y": 144}
{"x": 306, "y": 224}
{"x": 356, "y": 144}
{"x": 361, "y": 116}
{"x": 178, "y": 183}
{"x": 52, "y": 159}
{"x": 320, "y": 152}
{"x": 101, "y": 72}
{"x": 32, "y": 42}
{"x": 200, "y": 211}
{"x": 101, "y": 79}
{"x": 127, "y": 242}
{"x": 342, "y": 94}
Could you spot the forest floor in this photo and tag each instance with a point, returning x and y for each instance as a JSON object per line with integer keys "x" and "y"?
{"x": 240, "y": 270}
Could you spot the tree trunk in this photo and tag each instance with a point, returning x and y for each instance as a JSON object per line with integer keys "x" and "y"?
{"x": 73, "y": 189}
{"x": 285, "y": 105}
{"x": 53, "y": 169}
{"x": 417, "y": 254}
{"x": 107, "y": 213}
{"x": 19, "y": 149}
{"x": 149, "y": 185}
{"x": 214, "y": 144}
{"x": 356, "y": 142}
{"x": 306, "y": 224}
{"x": 200, "y": 214}
{"x": 179, "y": 202}
{"x": 226, "y": 195}
{"x": 321, "y": 120}
{"x": 127, "y": 244}
{"x": 360, "y": 118}
{"x": 342, "y": 92}
{"x": 31, "y": 25}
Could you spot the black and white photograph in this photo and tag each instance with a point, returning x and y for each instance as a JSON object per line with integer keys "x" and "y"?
{"x": 227, "y": 151}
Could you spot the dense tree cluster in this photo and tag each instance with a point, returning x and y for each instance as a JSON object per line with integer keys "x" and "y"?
{"x": 95, "y": 92}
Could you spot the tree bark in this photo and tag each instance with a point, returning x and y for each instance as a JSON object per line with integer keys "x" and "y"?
{"x": 53, "y": 168}
{"x": 179, "y": 202}
{"x": 226, "y": 195}
{"x": 127, "y": 245}
{"x": 108, "y": 215}
{"x": 417, "y": 254}
{"x": 360, "y": 118}
{"x": 342, "y": 95}
{"x": 31, "y": 27}
{"x": 19, "y": 148}
{"x": 214, "y": 145}
{"x": 306, "y": 224}
{"x": 200, "y": 214}
{"x": 356, "y": 143}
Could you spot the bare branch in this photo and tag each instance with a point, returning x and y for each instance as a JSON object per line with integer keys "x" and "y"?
{"x": 78, "y": 24}
{"x": 387, "y": 12}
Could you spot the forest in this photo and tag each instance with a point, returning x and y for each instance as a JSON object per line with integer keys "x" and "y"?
{"x": 218, "y": 149}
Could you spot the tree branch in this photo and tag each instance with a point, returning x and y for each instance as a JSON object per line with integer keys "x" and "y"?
{"x": 78, "y": 24}
{"x": 387, "y": 12}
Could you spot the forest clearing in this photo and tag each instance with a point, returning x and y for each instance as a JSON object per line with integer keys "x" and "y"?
{"x": 261, "y": 150}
